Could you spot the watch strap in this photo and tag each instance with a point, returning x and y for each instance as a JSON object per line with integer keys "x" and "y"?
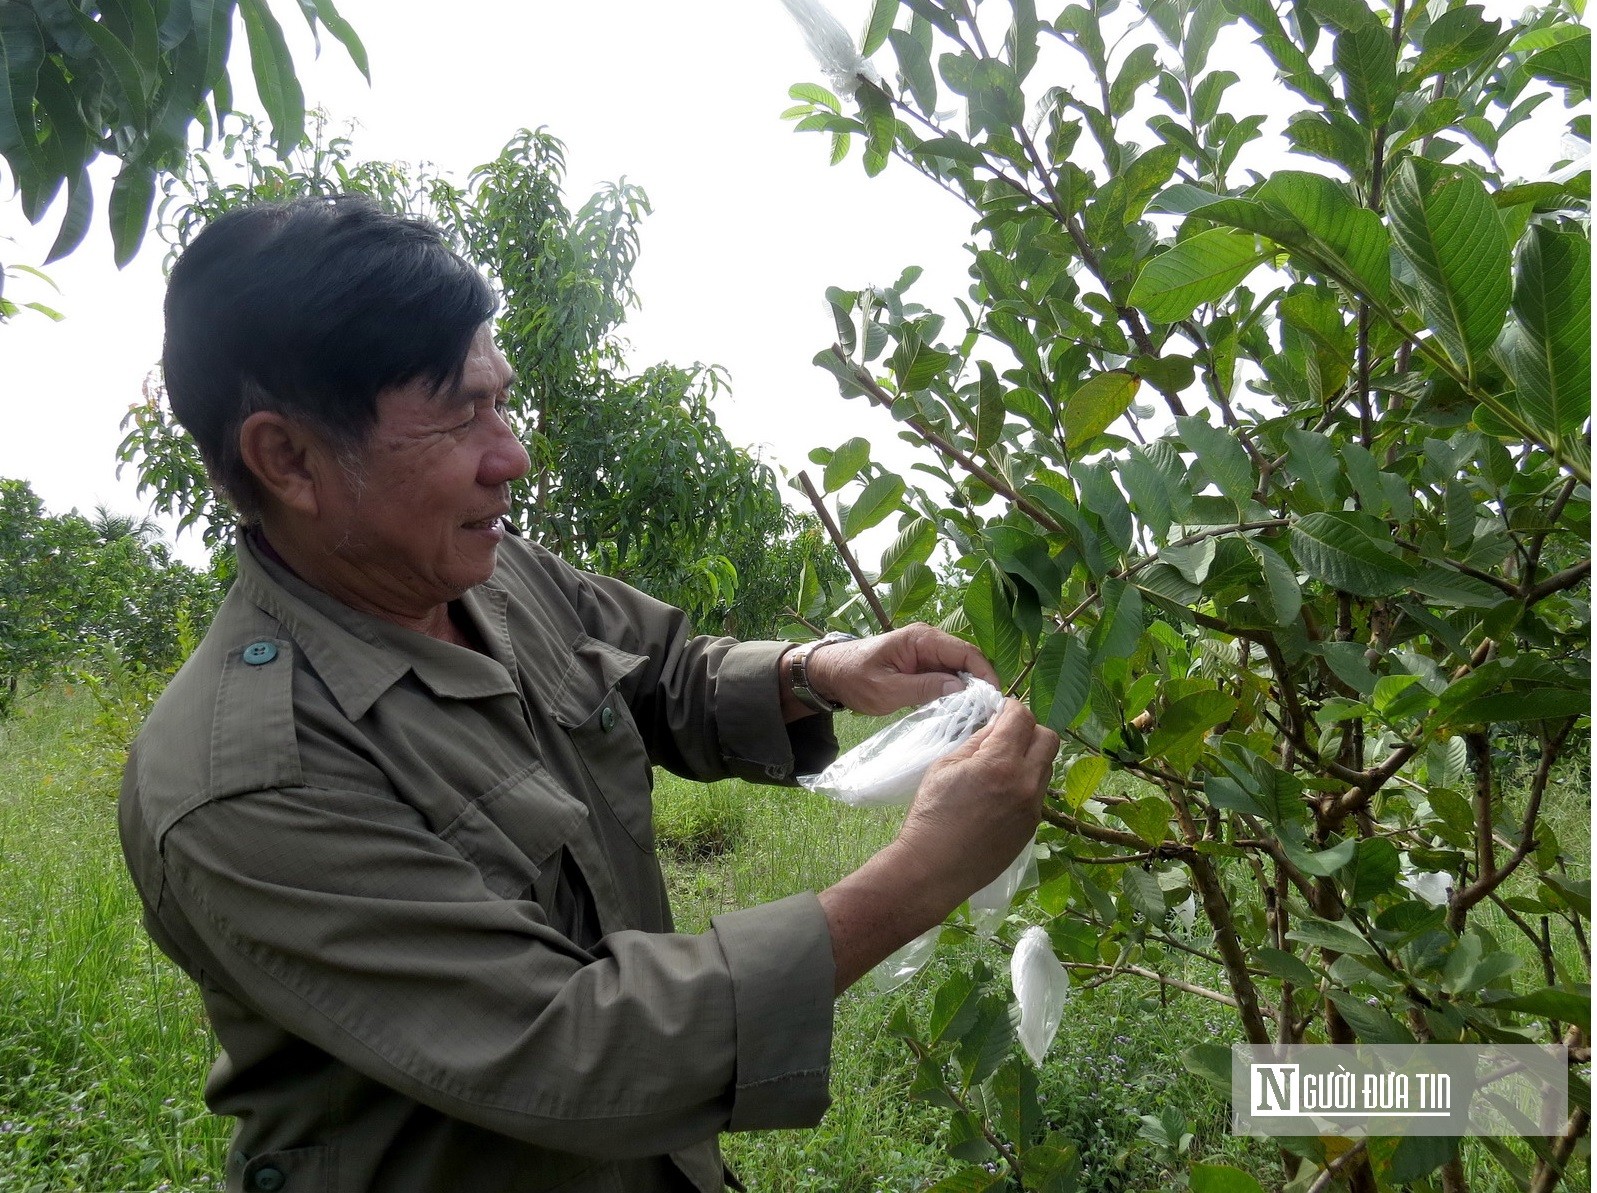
{"x": 798, "y": 673}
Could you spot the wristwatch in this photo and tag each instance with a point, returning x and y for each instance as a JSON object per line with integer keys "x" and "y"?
{"x": 799, "y": 676}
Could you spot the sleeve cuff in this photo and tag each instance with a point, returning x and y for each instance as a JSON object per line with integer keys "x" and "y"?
{"x": 780, "y": 959}
{"x": 756, "y": 743}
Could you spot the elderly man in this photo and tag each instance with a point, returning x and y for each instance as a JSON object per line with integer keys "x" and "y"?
{"x": 393, "y": 816}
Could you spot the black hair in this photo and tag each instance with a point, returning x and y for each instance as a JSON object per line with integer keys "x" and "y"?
{"x": 311, "y": 308}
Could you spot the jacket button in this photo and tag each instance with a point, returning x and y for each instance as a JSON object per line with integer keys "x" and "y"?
{"x": 607, "y": 718}
{"x": 268, "y": 1180}
{"x": 255, "y": 654}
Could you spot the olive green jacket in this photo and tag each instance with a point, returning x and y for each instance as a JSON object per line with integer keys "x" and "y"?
{"x": 417, "y": 887}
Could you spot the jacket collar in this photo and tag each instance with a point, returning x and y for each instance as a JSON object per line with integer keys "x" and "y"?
{"x": 359, "y": 657}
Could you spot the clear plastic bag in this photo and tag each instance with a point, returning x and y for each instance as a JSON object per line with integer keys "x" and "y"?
{"x": 898, "y": 967}
{"x": 990, "y": 905}
{"x": 832, "y": 46}
{"x": 887, "y": 767}
{"x": 1042, "y": 987}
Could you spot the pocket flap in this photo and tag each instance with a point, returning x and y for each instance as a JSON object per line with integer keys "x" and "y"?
{"x": 514, "y": 827}
{"x": 596, "y": 668}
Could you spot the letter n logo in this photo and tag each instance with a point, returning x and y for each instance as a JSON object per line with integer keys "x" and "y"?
{"x": 1274, "y": 1090}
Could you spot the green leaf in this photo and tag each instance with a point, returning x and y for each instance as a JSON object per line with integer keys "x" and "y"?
{"x": 132, "y": 196}
{"x": 877, "y": 27}
{"x": 992, "y": 89}
{"x": 846, "y": 463}
{"x": 1568, "y": 64}
{"x": 1095, "y": 404}
{"x": 1339, "y": 229}
{"x": 969, "y": 1180}
{"x": 1320, "y": 863}
{"x": 815, "y": 94}
{"x": 1083, "y": 778}
{"x": 1223, "y": 457}
{"x": 75, "y": 223}
{"x": 1211, "y": 1063}
{"x": 345, "y": 34}
{"x": 992, "y": 622}
{"x": 1367, "y": 61}
{"x": 915, "y": 66}
{"x": 122, "y": 66}
{"x": 1119, "y": 623}
{"x": 1335, "y": 548}
{"x": 1286, "y": 966}
{"x": 879, "y": 499}
{"x": 1189, "y": 720}
{"x": 1282, "y": 597}
{"x": 1548, "y": 351}
{"x": 1148, "y": 817}
{"x": 914, "y": 544}
{"x": 1338, "y": 938}
{"x": 1416, "y": 1155}
{"x": 1447, "y": 227}
{"x": 1373, "y": 871}
{"x": 1312, "y": 459}
{"x": 1202, "y": 268}
{"x": 1566, "y": 1006}
{"x": 1218, "y": 1178}
{"x": 990, "y": 410}
{"x": 275, "y": 82}
{"x": 1060, "y": 681}
{"x": 1370, "y": 1024}
{"x": 910, "y": 592}
{"x": 1143, "y": 893}
{"x": 1525, "y": 704}
{"x": 953, "y": 149}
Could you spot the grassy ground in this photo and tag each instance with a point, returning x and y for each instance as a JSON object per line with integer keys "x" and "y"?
{"x": 103, "y": 1049}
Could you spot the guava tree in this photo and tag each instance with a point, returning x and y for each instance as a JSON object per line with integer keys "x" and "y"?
{"x": 1259, "y": 451}
{"x": 631, "y": 474}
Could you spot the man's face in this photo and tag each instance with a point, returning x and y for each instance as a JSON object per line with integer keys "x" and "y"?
{"x": 417, "y": 523}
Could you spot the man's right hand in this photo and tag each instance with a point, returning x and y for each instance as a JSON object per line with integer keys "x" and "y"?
{"x": 977, "y": 808}
{"x": 974, "y": 812}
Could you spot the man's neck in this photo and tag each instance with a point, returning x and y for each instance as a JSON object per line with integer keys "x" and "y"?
{"x": 441, "y": 621}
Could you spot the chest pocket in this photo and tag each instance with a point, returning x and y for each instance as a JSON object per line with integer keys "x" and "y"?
{"x": 515, "y": 827}
{"x": 596, "y": 717}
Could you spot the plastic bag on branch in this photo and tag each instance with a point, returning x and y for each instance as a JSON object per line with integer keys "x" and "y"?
{"x": 887, "y": 767}
{"x": 990, "y": 905}
{"x": 1041, "y": 988}
{"x": 832, "y": 46}
{"x": 898, "y": 967}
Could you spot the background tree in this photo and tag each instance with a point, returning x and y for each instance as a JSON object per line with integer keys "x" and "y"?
{"x": 1295, "y": 612}
{"x": 73, "y": 588}
{"x": 631, "y": 475}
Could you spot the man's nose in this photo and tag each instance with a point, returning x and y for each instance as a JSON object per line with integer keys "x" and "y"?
{"x": 506, "y": 460}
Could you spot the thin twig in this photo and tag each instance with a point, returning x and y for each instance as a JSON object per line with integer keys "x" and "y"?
{"x": 841, "y": 544}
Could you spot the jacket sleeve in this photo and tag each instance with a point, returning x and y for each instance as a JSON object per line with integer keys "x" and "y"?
{"x": 340, "y": 917}
{"x": 708, "y": 708}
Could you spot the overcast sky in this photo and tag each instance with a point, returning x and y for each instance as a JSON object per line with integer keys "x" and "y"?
{"x": 750, "y": 225}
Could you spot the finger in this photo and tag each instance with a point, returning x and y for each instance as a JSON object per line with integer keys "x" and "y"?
{"x": 938, "y": 650}
{"x": 1010, "y": 731}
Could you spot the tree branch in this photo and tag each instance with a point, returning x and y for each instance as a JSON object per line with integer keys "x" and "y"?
{"x": 841, "y": 544}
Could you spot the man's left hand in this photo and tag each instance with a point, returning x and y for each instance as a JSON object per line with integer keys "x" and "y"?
{"x": 895, "y": 670}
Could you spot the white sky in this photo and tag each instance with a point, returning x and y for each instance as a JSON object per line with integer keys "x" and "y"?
{"x": 750, "y": 225}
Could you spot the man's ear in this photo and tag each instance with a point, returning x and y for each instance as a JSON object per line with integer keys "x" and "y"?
{"x": 291, "y": 463}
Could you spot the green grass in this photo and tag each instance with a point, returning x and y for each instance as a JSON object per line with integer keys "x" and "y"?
{"x": 103, "y": 1048}
{"x": 102, "y": 1044}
